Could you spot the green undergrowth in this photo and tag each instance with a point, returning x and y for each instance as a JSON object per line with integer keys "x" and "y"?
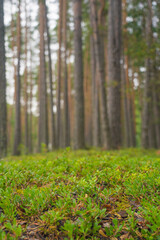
{"x": 81, "y": 195}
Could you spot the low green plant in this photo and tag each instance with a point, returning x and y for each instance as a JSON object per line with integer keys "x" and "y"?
{"x": 73, "y": 195}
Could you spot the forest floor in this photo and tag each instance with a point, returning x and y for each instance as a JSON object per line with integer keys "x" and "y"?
{"x": 81, "y": 195}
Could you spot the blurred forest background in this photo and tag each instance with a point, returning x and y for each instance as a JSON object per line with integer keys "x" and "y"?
{"x": 79, "y": 73}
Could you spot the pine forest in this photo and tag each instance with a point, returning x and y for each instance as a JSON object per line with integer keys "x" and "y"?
{"x": 80, "y": 119}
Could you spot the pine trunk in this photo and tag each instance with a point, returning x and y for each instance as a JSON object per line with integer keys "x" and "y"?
{"x": 17, "y": 137}
{"x": 66, "y": 105}
{"x": 147, "y": 85}
{"x": 43, "y": 124}
{"x": 26, "y": 83}
{"x": 3, "y": 105}
{"x": 79, "y": 141}
{"x": 95, "y": 98}
{"x": 101, "y": 76}
{"x": 59, "y": 76}
{"x": 114, "y": 72}
{"x": 52, "y": 119}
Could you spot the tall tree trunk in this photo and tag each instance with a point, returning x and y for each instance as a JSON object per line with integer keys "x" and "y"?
{"x": 26, "y": 81}
{"x": 133, "y": 114}
{"x": 13, "y": 45}
{"x": 79, "y": 141}
{"x": 101, "y": 76}
{"x": 66, "y": 106}
{"x": 95, "y": 97}
{"x": 70, "y": 97}
{"x": 30, "y": 95}
{"x": 126, "y": 136}
{"x": 125, "y": 83}
{"x": 52, "y": 120}
{"x": 43, "y": 124}
{"x": 114, "y": 69}
{"x": 87, "y": 97}
{"x": 30, "y": 108}
{"x": 17, "y": 137}
{"x": 147, "y": 93}
{"x": 155, "y": 109}
{"x": 3, "y": 105}
{"x": 59, "y": 75}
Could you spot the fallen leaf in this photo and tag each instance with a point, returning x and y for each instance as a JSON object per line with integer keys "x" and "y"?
{"x": 125, "y": 236}
{"x": 123, "y": 214}
{"x": 139, "y": 234}
{"x": 138, "y": 217}
{"x": 108, "y": 207}
{"x": 102, "y": 233}
{"x": 118, "y": 215}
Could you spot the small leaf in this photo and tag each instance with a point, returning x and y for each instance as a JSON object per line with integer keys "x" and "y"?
{"x": 125, "y": 236}
{"x": 102, "y": 233}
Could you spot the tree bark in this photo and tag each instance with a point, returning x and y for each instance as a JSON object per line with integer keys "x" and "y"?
{"x": 66, "y": 105}
{"x": 156, "y": 111}
{"x": 59, "y": 76}
{"x": 79, "y": 141}
{"x": 147, "y": 92}
{"x": 95, "y": 98}
{"x": 101, "y": 77}
{"x": 3, "y": 104}
{"x": 52, "y": 119}
{"x": 26, "y": 82}
{"x": 17, "y": 137}
{"x": 114, "y": 72}
{"x": 43, "y": 124}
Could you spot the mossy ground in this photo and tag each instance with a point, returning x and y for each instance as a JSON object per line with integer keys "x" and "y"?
{"x": 81, "y": 195}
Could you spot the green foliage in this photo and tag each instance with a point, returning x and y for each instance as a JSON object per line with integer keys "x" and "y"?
{"x": 81, "y": 195}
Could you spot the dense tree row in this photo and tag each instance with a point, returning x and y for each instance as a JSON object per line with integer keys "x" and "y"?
{"x": 101, "y": 90}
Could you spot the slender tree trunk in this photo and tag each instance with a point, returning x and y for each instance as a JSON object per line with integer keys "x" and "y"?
{"x": 26, "y": 82}
{"x": 3, "y": 104}
{"x": 147, "y": 93}
{"x": 125, "y": 84}
{"x": 30, "y": 111}
{"x": 13, "y": 45}
{"x": 30, "y": 94}
{"x": 79, "y": 141}
{"x": 95, "y": 97}
{"x": 52, "y": 120}
{"x": 114, "y": 69}
{"x": 66, "y": 106}
{"x": 17, "y": 137}
{"x": 101, "y": 76}
{"x": 126, "y": 137}
{"x": 87, "y": 97}
{"x": 70, "y": 97}
{"x": 133, "y": 114}
{"x": 59, "y": 75}
{"x": 43, "y": 128}
{"x": 155, "y": 110}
